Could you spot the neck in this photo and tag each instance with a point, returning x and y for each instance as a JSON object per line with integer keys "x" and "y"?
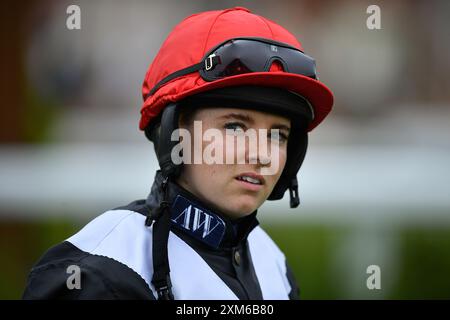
{"x": 196, "y": 219}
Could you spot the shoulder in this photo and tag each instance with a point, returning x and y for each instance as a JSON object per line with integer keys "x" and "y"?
{"x": 262, "y": 247}
{"x": 102, "y": 258}
{"x": 258, "y": 236}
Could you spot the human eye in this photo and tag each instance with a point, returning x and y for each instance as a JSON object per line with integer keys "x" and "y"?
{"x": 279, "y": 136}
{"x": 235, "y": 127}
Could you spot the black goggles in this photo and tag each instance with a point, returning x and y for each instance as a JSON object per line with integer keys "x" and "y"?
{"x": 246, "y": 55}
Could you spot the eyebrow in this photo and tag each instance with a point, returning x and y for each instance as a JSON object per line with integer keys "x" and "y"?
{"x": 238, "y": 116}
{"x": 247, "y": 118}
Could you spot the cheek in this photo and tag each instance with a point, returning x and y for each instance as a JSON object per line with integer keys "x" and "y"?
{"x": 283, "y": 159}
{"x": 281, "y": 152}
{"x": 206, "y": 179}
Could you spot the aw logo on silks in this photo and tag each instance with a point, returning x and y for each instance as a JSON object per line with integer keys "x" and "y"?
{"x": 199, "y": 222}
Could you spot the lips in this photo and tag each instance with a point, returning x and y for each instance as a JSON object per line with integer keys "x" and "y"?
{"x": 251, "y": 177}
{"x": 250, "y": 180}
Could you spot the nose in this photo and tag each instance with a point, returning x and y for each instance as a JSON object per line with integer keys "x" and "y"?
{"x": 262, "y": 160}
{"x": 260, "y": 154}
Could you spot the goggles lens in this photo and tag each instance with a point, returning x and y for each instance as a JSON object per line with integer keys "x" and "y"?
{"x": 237, "y": 56}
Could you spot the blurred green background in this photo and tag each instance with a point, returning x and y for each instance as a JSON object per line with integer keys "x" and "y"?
{"x": 375, "y": 182}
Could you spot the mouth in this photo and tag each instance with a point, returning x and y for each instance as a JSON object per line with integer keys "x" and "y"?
{"x": 251, "y": 178}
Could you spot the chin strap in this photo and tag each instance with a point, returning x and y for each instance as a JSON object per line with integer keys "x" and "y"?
{"x": 293, "y": 193}
{"x": 161, "y": 229}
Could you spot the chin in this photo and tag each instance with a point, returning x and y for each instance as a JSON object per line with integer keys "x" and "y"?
{"x": 244, "y": 205}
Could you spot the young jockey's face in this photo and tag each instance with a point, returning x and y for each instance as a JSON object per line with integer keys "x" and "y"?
{"x": 241, "y": 158}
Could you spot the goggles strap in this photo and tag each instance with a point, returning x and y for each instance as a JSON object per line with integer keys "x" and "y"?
{"x": 209, "y": 63}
